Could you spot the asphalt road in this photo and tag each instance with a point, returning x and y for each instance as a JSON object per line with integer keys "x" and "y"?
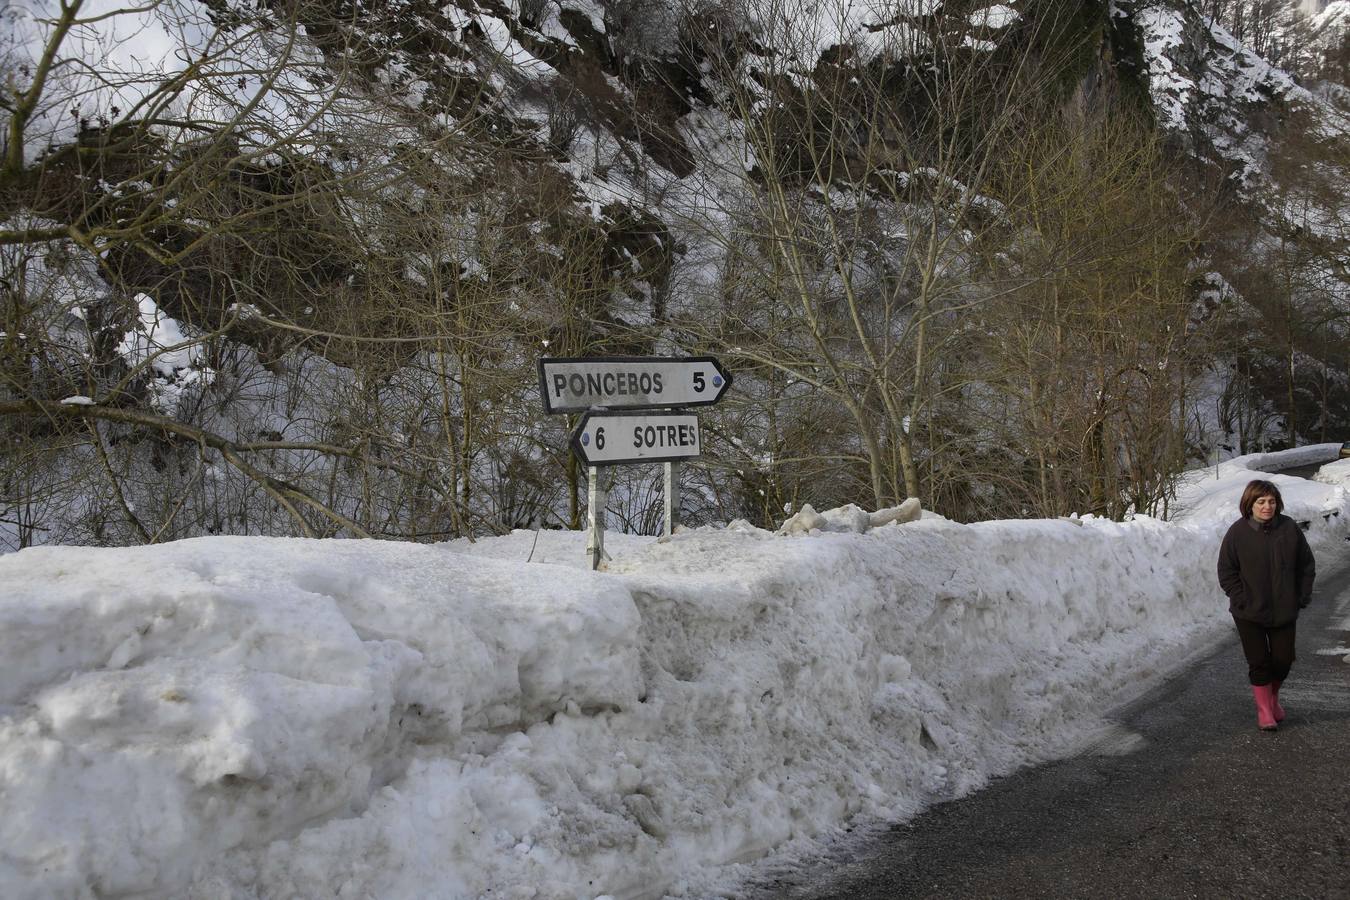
{"x": 1189, "y": 800}
{"x": 1304, "y": 471}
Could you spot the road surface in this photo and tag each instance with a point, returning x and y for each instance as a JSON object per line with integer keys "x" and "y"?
{"x": 1190, "y": 800}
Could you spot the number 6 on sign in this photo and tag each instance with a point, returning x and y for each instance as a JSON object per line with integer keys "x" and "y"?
{"x": 610, "y": 438}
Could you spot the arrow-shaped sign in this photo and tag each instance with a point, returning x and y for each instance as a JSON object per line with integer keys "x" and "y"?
{"x": 608, "y": 438}
{"x": 574, "y": 384}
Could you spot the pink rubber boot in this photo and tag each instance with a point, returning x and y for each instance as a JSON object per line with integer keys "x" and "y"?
{"x": 1265, "y": 702}
{"x": 1275, "y": 706}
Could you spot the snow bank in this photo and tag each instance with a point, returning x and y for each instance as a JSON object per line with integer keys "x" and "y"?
{"x": 235, "y": 717}
{"x": 163, "y": 705}
{"x": 1211, "y": 493}
{"x": 1334, "y": 473}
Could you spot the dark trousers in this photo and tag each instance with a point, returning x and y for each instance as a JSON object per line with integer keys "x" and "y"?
{"x": 1269, "y": 651}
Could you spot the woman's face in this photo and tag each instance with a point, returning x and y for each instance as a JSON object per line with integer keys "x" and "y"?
{"x": 1264, "y": 508}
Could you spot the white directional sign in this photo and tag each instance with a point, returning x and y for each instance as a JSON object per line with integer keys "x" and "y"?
{"x": 607, "y": 439}
{"x": 575, "y": 384}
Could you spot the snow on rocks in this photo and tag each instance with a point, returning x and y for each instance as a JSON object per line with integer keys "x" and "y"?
{"x": 850, "y": 517}
{"x": 1335, "y": 17}
{"x": 1202, "y": 81}
{"x": 157, "y": 341}
{"x": 263, "y": 717}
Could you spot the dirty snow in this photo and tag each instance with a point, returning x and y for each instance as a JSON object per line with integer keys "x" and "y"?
{"x": 227, "y": 717}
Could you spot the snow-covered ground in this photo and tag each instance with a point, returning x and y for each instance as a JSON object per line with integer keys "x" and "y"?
{"x": 250, "y": 717}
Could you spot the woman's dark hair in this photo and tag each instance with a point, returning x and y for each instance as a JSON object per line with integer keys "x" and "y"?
{"x": 1255, "y": 491}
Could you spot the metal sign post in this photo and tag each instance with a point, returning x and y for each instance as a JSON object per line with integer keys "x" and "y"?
{"x": 603, "y": 388}
{"x": 672, "y": 498}
{"x": 597, "y": 496}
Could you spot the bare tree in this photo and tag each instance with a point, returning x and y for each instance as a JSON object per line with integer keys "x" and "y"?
{"x": 1091, "y": 354}
{"x": 154, "y": 219}
{"x": 849, "y": 231}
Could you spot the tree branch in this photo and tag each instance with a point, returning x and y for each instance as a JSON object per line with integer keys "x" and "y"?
{"x": 284, "y": 493}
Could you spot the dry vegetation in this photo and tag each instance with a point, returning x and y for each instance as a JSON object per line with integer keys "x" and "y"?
{"x": 950, "y": 273}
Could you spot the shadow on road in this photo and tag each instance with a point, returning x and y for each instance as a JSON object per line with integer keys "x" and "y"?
{"x": 1181, "y": 796}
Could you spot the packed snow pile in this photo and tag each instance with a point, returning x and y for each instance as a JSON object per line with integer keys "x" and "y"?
{"x": 1211, "y": 493}
{"x": 251, "y": 717}
{"x": 1335, "y": 473}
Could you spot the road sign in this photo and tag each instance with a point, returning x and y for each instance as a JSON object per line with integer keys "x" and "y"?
{"x": 610, "y": 438}
{"x": 574, "y": 384}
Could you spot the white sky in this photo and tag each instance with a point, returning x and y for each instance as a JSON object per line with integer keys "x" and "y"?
{"x": 112, "y": 61}
{"x": 118, "y": 54}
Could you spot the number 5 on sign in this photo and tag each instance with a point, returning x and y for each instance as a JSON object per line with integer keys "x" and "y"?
{"x": 576, "y": 384}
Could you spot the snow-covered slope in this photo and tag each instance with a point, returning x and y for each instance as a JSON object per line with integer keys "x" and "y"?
{"x": 1207, "y": 87}
{"x": 594, "y": 178}
{"x": 251, "y": 717}
{"x": 1267, "y": 161}
{"x": 1335, "y": 15}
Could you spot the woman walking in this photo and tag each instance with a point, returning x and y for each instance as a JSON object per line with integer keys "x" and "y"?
{"x": 1266, "y": 568}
